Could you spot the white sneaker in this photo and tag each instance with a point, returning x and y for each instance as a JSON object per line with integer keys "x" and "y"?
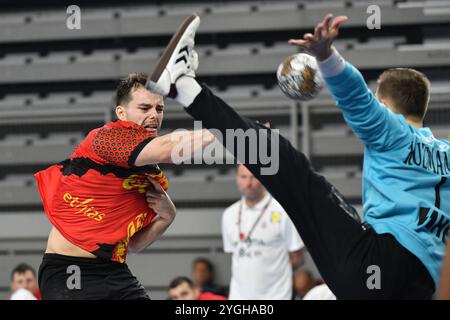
{"x": 178, "y": 59}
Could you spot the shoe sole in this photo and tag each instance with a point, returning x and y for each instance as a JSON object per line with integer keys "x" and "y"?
{"x": 162, "y": 63}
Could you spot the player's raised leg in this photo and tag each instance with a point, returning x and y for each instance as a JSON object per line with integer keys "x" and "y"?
{"x": 329, "y": 226}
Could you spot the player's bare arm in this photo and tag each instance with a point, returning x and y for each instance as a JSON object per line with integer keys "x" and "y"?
{"x": 160, "y": 202}
{"x": 159, "y": 150}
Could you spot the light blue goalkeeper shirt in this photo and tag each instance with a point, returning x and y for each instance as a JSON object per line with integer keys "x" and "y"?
{"x": 406, "y": 174}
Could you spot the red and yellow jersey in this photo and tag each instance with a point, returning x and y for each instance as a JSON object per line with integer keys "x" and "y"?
{"x": 96, "y": 199}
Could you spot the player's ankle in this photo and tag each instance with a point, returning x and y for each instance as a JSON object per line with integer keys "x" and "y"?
{"x": 187, "y": 90}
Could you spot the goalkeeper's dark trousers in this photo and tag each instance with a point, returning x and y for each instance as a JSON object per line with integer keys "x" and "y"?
{"x": 354, "y": 261}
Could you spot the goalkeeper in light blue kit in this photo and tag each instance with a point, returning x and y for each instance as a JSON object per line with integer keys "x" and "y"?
{"x": 397, "y": 251}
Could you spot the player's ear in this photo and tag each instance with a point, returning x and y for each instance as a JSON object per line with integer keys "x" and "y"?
{"x": 121, "y": 113}
{"x": 382, "y": 100}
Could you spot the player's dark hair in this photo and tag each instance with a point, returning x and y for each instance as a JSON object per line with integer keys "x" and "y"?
{"x": 127, "y": 85}
{"x": 180, "y": 280}
{"x": 22, "y": 268}
{"x": 206, "y": 262}
{"x": 408, "y": 89}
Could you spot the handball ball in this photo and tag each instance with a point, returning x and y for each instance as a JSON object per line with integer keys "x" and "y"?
{"x": 299, "y": 77}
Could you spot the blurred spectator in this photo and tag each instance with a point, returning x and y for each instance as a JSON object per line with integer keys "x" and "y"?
{"x": 203, "y": 277}
{"x": 182, "y": 288}
{"x": 320, "y": 292}
{"x": 303, "y": 283}
{"x": 263, "y": 241}
{"x": 24, "y": 284}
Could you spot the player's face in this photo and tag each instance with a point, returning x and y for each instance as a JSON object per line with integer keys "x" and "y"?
{"x": 183, "y": 292}
{"x": 146, "y": 109}
{"x": 248, "y": 185}
{"x": 25, "y": 280}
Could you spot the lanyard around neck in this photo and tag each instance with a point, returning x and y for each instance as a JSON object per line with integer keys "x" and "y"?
{"x": 242, "y": 236}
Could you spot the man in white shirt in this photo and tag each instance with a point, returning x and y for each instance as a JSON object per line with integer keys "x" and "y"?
{"x": 264, "y": 243}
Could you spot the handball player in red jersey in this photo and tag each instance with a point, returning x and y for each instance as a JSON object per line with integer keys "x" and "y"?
{"x": 110, "y": 196}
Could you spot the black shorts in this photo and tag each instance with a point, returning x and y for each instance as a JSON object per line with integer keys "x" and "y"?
{"x": 347, "y": 253}
{"x": 73, "y": 278}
